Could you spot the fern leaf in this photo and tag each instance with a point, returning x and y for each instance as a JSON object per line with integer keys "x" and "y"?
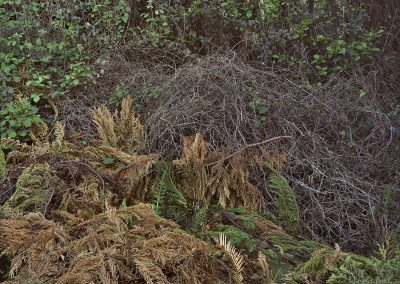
{"x": 235, "y": 256}
{"x": 288, "y": 209}
{"x": 167, "y": 195}
{"x": 160, "y": 193}
{"x": 59, "y": 132}
{"x": 199, "y": 218}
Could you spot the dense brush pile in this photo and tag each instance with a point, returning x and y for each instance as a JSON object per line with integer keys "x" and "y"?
{"x": 344, "y": 152}
{"x": 99, "y": 213}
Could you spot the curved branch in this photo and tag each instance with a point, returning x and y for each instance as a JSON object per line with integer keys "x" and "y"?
{"x": 250, "y": 146}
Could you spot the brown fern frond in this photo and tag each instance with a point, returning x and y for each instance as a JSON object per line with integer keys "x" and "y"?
{"x": 135, "y": 179}
{"x": 262, "y": 261}
{"x": 39, "y": 133}
{"x": 235, "y": 256}
{"x": 277, "y": 160}
{"x": 194, "y": 148}
{"x": 131, "y": 244}
{"x": 226, "y": 181}
{"x": 189, "y": 171}
{"x": 129, "y": 129}
{"x": 59, "y": 133}
{"x": 105, "y": 124}
{"x": 123, "y": 131}
{"x": 231, "y": 184}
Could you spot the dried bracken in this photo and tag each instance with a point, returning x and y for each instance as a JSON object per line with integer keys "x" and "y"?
{"x": 262, "y": 261}
{"x": 60, "y": 221}
{"x": 123, "y": 131}
{"x": 236, "y": 258}
{"x": 128, "y": 244}
{"x": 227, "y": 181}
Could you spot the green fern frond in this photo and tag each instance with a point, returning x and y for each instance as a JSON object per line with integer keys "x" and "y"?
{"x": 288, "y": 209}
{"x": 199, "y": 218}
{"x": 160, "y": 193}
{"x": 176, "y": 194}
{"x": 168, "y": 198}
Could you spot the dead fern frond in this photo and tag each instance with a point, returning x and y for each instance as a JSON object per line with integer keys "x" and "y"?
{"x": 39, "y": 133}
{"x": 151, "y": 272}
{"x": 226, "y": 182}
{"x": 231, "y": 184}
{"x": 136, "y": 179}
{"x": 59, "y": 133}
{"x": 3, "y": 163}
{"x": 189, "y": 172}
{"x": 267, "y": 228}
{"x": 262, "y": 261}
{"x": 131, "y": 244}
{"x": 105, "y": 124}
{"x": 86, "y": 199}
{"x": 123, "y": 131}
{"x": 194, "y": 148}
{"x": 129, "y": 129}
{"x": 277, "y": 160}
{"x": 236, "y": 258}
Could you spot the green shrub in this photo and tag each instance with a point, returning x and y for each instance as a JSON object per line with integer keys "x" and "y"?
{"x": 47, "y": 49}
{"x": 16, "y": 117}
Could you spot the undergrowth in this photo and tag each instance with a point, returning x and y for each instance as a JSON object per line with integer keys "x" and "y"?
{"x": 245, "y": 129}
{"x": 62, "y": 216}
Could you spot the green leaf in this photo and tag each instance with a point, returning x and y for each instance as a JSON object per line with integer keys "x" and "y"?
{"x": 249, "y": 13}
{"x": 362, "y": 93}
{"x": 29, "y": 45}
{"x": 6, "y": 69}
{"x": 3, "y": 163}
{"x": 262, "y": 109}
{"x": 46, "y": 58}
{"x": 11, "y": 133}
{"x": 28, "y": 122}
{"x": 36, "y": 119}
{"x": 22, "y": 133}
{"x": 108, "y": 160}
{"x": 35, "y": 97}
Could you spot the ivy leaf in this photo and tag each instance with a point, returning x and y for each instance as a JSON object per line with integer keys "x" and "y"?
{"x": 36, "y": 119}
